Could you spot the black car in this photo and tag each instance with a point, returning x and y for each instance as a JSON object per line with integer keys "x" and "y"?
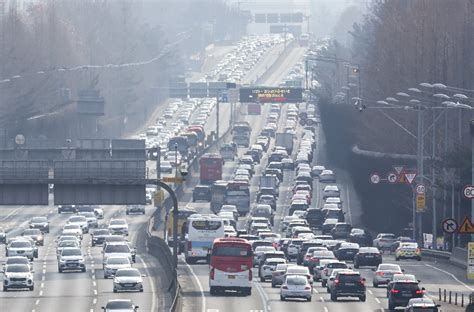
{"x": 98, "y": 236}
{"x": 40, "y": 223}
{"x": 267, "y": 191}
{"x": 304, "y": 248}
{"x": 401, "y": 292}
{"x": 335, "y": 214}
{"x": 255, "y": 155}
{"x": 341, "y": 230}
{"x": 315, "y": 217}
{"x": 361, "y": 237}
{"x": 269, "y": 200}
{"x": 349, "y": 284}
{"x": 346, "y": 252}
{"x": 135, "y": 209}
{"x": 67, "y": 208}
{"x": 202, "y": 192}
{"x": 274, "y": 171}
{"x": 3, "y": 236}
{"x": 367, "y": 256}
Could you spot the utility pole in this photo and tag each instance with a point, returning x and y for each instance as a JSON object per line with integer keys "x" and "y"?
{"x": 472, "y": 169}
{"x": 434, "y": 243}
{"x": 420, "y": 173}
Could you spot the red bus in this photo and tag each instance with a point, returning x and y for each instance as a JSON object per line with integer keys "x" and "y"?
{"x": 254, "y": 108}
{"x": 231, "y": 266}
{"x": 210, "y": 168}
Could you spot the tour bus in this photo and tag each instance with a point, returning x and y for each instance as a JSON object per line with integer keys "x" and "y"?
{"x": 238, "y": 194}
{"x": 183, "y": 215}
{"x": 202, "y": 231}
{"x": 231, "y": 266}
{"x": 210, "y": 168}
{"x": 218, "y": 191}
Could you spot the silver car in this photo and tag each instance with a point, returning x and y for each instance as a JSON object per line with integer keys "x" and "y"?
{"x": 384, "y": 273}
{"x": 278, "y": 275}
{"x": 328, "y": 268}
{"x": 268, "y": 267}
{"x": 384, "y": 241}
{"x": 112, "y": 264}
{"x": 296, "y": 286}
{"x": 128, "y": 279}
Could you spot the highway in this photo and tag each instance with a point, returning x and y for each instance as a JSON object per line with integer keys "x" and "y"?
{"x": 194, "y": 278}
{"x": 89, "y": 291}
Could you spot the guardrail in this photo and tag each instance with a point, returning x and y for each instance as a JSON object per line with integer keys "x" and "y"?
{"x": 456, "y": 298}
{"x": 457, "y": 257}
{"x": 438, "y": 254}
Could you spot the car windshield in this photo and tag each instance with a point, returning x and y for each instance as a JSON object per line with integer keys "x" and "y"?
{"x": 18, "y": 244}
{"x": 118, "y": 222}
{"x": 349, "y": 277}
{"x": 101, "y": 232}
{"x": 297, "y": 270}
{"x": 368, "y": 250}
{"x": 71, "y": 252}
{"x": 296, "y": 280}
{"x": 119, "y": 305}
{"x": 32, "y": 232}
{"x": 88, "y": 214}
{"x": 424, "y": 309}
{"x": 17, "y": 268}
{"x": 71, "y": 227}
{"x": 406, "y": 286}
{"x": 118, "y": 260}
{"x": 130, "y": 272}
{"x": 388, "y": 236}
{"x": 17, "y": 260}
{"x": 77, "y": 219}
{"x": 39, "y": 220}
{"x": 389, "y": 267}
{"x": 69, "y": 243}
{"x": 117, "y": 248}
{"x": 357, "y": 231}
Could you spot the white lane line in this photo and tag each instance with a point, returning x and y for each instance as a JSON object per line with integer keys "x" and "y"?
{"x": 349, "y": 205}
{"x": 42, "y": 285}
{"x": 37, "y": 302}
{"x": 377, "y": 300}
{"x": 203, "y": 298}
{"x": 94, "y": 284}
{"x": 95, "y": 292}
{"x": 152, "y": 284}
{"x": 370, "y": 291}
{"x": 326, "y": 309}
{"x": 94, "y": 301}
{"x": 263, "y": 296}
{"x": 452, "y": 275}
{"x": 44, "y": 271}
{"x": 10, "y": 214}
{"x": 43, "y": 278}
{"x": 41, "y": 293}
{"x": 322, "y": 299}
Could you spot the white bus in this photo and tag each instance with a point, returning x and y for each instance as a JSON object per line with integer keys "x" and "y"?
{"x": 202, "y": 231}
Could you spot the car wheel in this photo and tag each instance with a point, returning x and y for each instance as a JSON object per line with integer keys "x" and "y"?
{"x": 32, "y": 287}
{"x": 106, "y": 276}
{"x": 397, "y": 259}
{"x": 282, "y": 298}
{"x": 333, "y": 297}
{"x": 126, "y": 213}
{"x": 273, "y": 285}
{"x": 308, "y": 299}
{"x": 376, "y": 285}
{"x": 115, "y": 290}
{"x": 362, "y": 298}
{"x": 60, "y": 270}
{"x": 83, "y": 270}
{"x": 262, "y": 279}
{"x": 213, "y": 291}
{"x": 391, "y": 306}
{"x": 141, "y": 289}
{"x": 323, "y": 283}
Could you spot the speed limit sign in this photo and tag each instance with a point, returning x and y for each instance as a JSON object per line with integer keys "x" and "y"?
{"x": 420, "y": 189}
{"x": 468, "y": 191}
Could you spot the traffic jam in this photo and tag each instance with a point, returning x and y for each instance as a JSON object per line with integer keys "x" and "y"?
{"x": 279, "y": 218}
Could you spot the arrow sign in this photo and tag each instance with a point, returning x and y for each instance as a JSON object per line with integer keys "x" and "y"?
{"x": 450, "y": 226}
{"x": 392, "y": 177}
{"x": 410, "y": 176}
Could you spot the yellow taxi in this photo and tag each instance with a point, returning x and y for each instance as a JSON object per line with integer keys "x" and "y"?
{"x": 408, "y": 251}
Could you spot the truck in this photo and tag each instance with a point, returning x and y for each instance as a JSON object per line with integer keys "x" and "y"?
{"x": 241, "y": 133}
{"x": 285, "y": 140}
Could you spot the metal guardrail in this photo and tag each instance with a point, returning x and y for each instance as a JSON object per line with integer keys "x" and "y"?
{"x": 455, "y": 298}
{"x": 438, "y": 254}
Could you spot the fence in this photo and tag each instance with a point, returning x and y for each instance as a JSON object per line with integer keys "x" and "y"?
{"x": 456, "y": 298}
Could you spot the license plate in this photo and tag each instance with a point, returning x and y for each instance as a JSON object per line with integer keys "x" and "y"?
{"x": 370, "y": 256}
{"x": 350, "y": 284}
{"x": 71, "y": 264}
{"x": 231, "y": 276}
{"x": 128, "y": 285}
{"x": 406, "y": 294}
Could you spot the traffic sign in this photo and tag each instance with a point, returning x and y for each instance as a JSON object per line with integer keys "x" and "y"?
{"x": 420, "y": 189}
{"x": 468, "y": 191}
{"x": 392, "y": 177}
{"x": 466, "y": 227}
{"x": 470, "y": 260}
{"x": 420, "y": 202}
{"x": 374, "y": 178}
{"x": 450, "y": 226}
{"x": 398, "y": 169}
{"x": 410, "y": 176}
{"x": 176, "y": 180}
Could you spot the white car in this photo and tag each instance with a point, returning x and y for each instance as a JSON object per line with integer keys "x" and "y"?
{"x": 120, "y": 305}
{"x": 72, "y": 229}
{"x": 18, "y": 276}
{"x": 18, "y": 260}
{"x": 135, "y": 209}
{"x": 268, "y": 267}
{"x": 128, "y": 279}
{"x": 293, "y": 248}
{"x": 91, "y": 219}
{"x": 71, "y": 259}
{"x": 230, "y": 208}
{"x": 333, "y": 200}
{"x": 296, "y": 286}
{"x": 81, "y": 221}
{"x": 121, "y": 249}
{"x": 99, "y": 213}
{"x": 384, "y": 240}
{"x": 331, "y": 191}
{"x": 327, "y": 176}
{"x": 118, "y": 226}
{"x": 112, "y": 264}
{"x": 20, "y": 247}
{"x": 66, "y": 244}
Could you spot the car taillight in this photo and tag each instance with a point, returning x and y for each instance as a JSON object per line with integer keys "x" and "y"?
{"x": 336, "y": 281}
{"x": 380, "y": 273}
{"x": 190, "y": 245}
{"x": 394, "y": 291}
{"x": 307, "y": 288}
{"x": 418, "y": 250}
{"x": 362, "y": 282}
{"x": 211, "y": 274}
{"x": 419, "y": 292}
{"x": 250, "y": 275}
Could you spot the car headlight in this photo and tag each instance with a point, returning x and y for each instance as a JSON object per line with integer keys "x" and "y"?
{"x": 40, "y": 238}
{"x": 81, "y": 260}
{"x": 61, "y": 260}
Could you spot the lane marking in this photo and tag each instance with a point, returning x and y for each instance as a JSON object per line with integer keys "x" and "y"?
{"x": 325, "y": 309}
{"x": 377, "y": 300}
{"x": 452, "y": 275}
{"x": 152, "y": 285}
{"x": 198, "y": 282}
{"x": 37, "y": 301}
{"x": 41, "y": 293}
{"x": 11, "y": 213}
{"x": 94, "y": 301}
{"x": 263, "y": 296}
{"x": 322, "y": 299}
{"x": 370, "y": 291}
{"x": 42, "y": 285}
{"x": 95, "y": 292}
{"x": 94, "y": 284}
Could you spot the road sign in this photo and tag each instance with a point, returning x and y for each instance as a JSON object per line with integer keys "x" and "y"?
{"x": 176, "y": 180}
{"x": 466, "y": 227}
{"x": 233, "y": 95}
{"x": 450, "y": 226}
{"x": 410, "y": 176}
{"x": 468, "y": 191}
{"x": 420, "y": 202}
{"x": 271, "y": 95}
{"x": 398, "y": 169}
{"x": 420, "y": 189}
{"x": 374, "y": 178}
{"x": 223, "y": 97}
{"x": 470, "y": 260}
{"x": 392, "y": 177}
